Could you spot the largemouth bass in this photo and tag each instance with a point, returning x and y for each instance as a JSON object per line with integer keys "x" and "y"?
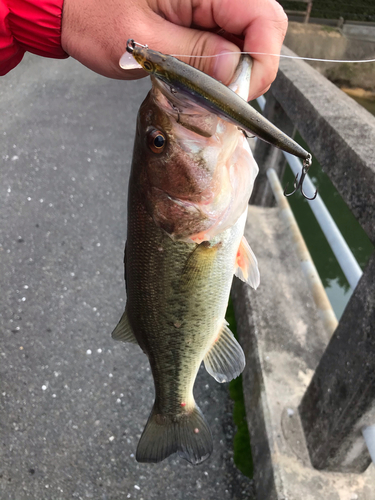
{"x": 191, "y": 179}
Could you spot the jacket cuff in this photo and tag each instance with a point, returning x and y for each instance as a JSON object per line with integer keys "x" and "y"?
{"x": 36, "y": 26}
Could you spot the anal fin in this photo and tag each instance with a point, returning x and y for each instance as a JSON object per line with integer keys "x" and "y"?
{"x": 225, "y": 360}
{"x": 124, "y": 331}
{"x": 247, "y": 265}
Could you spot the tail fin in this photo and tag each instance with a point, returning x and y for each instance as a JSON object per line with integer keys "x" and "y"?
{"x": 188, "y": 435}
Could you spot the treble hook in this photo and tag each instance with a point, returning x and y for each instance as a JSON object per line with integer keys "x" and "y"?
{"x": 299, "y": 185}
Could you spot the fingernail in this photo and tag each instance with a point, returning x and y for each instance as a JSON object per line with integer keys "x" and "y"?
{"x": 225, "y": 65}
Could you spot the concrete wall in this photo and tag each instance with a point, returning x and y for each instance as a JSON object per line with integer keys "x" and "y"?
{"x": 359, "y": 31}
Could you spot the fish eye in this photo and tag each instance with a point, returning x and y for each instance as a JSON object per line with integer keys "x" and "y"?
{"x": 156, "y": 141}
{"x": 147, "y": 65}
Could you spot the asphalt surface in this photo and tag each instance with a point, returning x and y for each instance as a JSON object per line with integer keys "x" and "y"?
{"x": 73, "y": 403}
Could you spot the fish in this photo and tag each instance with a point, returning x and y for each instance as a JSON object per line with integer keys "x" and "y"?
{"x": 191, "y": 179}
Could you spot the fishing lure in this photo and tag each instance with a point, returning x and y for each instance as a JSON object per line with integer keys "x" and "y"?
{"x": 215, "y": 97}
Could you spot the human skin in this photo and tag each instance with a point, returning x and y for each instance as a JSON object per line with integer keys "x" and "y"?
{"x": 95, "y": 33}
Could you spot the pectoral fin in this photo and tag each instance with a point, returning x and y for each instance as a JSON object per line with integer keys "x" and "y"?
{"x": 247, "y": 265}
{"x": 124, "y": 331}
{"x": 225, "y": 360}
{"x": 199, "y": 263}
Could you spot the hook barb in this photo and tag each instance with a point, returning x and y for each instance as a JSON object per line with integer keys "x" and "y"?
{"x": 295, "y": 186}
{"x": 298, "y": 184}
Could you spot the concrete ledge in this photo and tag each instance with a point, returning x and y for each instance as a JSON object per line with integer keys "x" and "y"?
{"x": 359, "y": 31}
{"x": 283, "y": 340}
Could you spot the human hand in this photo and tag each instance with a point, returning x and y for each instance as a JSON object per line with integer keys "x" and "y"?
{"x": 95, "y": 33}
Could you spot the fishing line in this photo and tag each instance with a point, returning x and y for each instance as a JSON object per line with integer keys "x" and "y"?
{"x": 277, "y": 55}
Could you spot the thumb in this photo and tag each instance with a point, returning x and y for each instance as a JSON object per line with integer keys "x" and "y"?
{"x": 189, "y": 45}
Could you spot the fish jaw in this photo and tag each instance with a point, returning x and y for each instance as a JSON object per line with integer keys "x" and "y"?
{"x": 240, "y": 83}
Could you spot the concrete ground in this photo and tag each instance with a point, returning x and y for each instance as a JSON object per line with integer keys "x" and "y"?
{"x": 73, "y": 403}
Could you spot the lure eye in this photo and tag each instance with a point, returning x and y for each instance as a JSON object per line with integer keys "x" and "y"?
{"x": 156, "y": 141}
{"x": 147, "y": 66}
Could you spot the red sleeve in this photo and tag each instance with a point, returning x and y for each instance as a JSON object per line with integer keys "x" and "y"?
{"x": 29, "y": 25}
